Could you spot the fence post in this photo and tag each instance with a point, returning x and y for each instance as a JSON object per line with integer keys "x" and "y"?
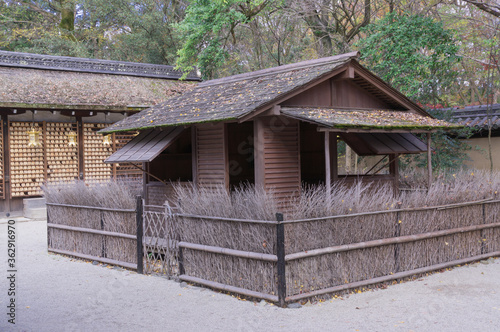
{"x": 138, "y": 218}
{"x": 280, "y": 252}
{"x": 397, "y": 233}
{"x": 103, "y": 243}
{"x": 483, "y": 244}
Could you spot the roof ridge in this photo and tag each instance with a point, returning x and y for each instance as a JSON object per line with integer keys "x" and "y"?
{"x": 74, "y": 64}
{"x": 280, "y": 69}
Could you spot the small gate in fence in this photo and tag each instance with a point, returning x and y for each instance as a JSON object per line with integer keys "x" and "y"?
{"x": 159, "y": 241}
{"x": 141, "y": 239}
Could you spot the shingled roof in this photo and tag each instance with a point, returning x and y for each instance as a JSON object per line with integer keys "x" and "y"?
{"x": 233, "y": 97}
{"x": 236, "y": 98}
{"x": 477, "y": 116}
{"x": 50, "y": 82}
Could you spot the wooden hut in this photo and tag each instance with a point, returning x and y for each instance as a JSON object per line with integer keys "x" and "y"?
{"x": 61, "y": 99}
{"x": 277, "y": 128}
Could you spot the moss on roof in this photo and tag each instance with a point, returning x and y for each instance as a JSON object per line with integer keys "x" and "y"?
{"x": 33, "y": 86}
{"x": 232, "y": 97}
{"x": 367, "y": 119}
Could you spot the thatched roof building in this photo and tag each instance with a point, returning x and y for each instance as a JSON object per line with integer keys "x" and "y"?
{"x": 59, "y": 97}
{"x": 276, "y": 128}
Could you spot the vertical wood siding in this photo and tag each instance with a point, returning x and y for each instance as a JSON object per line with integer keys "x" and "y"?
{"x": 278, "y": 157}
{"x": 211, "y": 156}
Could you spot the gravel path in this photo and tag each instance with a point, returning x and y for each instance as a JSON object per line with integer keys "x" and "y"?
{"x": 55, "y": 293}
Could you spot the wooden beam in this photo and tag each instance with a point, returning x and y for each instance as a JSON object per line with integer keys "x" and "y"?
{"x": 347, "y": 74}
{"x": 273, "y": 111}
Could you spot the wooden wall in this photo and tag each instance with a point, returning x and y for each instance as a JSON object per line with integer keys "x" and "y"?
{"x": 210, "y": 162}
{"x": 341, "y": 93}
{"x": 277, "y": 157}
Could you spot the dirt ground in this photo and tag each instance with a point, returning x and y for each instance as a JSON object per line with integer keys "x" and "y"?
{"x": 55, "y": 293}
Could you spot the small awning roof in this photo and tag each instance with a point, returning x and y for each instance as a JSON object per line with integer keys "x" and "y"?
{"x": 345, "y": 119}
{"x": 146, "y": 146}
{"x": 384, "y": 143}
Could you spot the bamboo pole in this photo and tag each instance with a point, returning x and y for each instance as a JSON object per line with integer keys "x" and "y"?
{"x": 388, "y": 241}
{"x": 228, "y": 288}
{"x": 394, "y": 276}
{"x": 94, "y": 258}
{"x": 91, "y": 231}
{"x": 229, "y": 252}
{"x": 439, "y": 207}
{"x": 270, "y": 222}
{"x": 92, "y": 207}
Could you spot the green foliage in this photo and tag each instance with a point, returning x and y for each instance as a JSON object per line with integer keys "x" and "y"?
{"x": 415, "y": 54}
{"x": 207, "y": 30}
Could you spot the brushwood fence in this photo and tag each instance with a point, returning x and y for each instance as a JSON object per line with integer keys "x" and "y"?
{"x": 290, "y": 260}
{"x": 96, "y": 233}
{"x": 279, "y": 260}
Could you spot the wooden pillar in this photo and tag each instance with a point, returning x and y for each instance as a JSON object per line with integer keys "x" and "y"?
{"x": 328, "y": 175}
{"x": 394, "y": 170}
{"x": 258, "y": 139}
{"x": 429, "y": 161}
{"x": 145, "y": 181}
{"x": 6, "y": 163}
{"x": 81, "y": 147}
{"x": 281, "y": 263}
{"x": 194, "y": 156}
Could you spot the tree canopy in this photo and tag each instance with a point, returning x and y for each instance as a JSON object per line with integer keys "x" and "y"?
{"x": 415, "y": 54}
